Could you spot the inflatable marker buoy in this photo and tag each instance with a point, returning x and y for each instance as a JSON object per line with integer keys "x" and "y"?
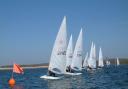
{"x": 11, "y": 82}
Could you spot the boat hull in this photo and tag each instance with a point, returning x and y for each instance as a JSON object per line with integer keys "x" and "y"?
{"x": 68, "y": 73}
{"x": 50, "y": 77}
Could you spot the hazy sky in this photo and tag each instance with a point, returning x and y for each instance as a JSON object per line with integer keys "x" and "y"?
{"x": 28, "y": 28}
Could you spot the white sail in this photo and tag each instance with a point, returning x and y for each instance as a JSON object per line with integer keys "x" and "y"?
{"x": 58, "y": 56}
{"x": 107, "y": 62}
{"x": 100, "y": 62}
{"x": 69, "y": 52}
{"x": 92, "y": 58}
{"x": 91, "y": 50}
{"x": 94, "y": 52}
{"x": 77, "y": 55}
{"x": 85, "y": 64}
{"x": 118, "y": 62}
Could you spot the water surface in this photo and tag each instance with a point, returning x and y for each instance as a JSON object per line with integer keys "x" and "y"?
{"x": 112, "y": 77}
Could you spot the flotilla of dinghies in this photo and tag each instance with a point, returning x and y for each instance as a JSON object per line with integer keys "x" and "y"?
{"x": 65, "y": 61}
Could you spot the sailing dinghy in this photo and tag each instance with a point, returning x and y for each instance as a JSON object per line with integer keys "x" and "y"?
{"x": 69, "y": 54}
{"x": 85, "y": 63}
{"x": 92, "y": 58}
{"x": 100, "y": 62}
{"x": 117, "y": 61}
{"x": 76, "y": 64}
{"x": 107, "y": 63}
{"x": 58, "y": 57}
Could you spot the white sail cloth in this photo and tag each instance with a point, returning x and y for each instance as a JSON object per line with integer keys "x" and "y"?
{"x": 92, "y": 58}
{"x": 85, "y": 63}
{"x": 77, "y": 55}
{"x": 100, "y": 62}
{"x": 58, "y": 56}
{"x": 69, "y": 52}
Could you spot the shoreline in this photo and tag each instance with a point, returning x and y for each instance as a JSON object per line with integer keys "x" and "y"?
{"x": 10, "y": 68}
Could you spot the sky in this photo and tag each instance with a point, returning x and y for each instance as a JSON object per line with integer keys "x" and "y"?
{"x": 28, "y": 28}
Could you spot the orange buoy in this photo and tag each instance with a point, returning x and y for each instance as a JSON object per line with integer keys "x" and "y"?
{"x": 11, "y": 82}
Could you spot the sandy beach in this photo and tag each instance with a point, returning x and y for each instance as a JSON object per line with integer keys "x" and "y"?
{"x": 10, "y": 68}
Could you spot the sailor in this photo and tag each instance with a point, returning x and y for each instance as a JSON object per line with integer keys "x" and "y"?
{"x": 50, "y": 73}
{"x": 89, "y": 67}
{"x": 67, "y": 69}
{"x": 70, "y": 69}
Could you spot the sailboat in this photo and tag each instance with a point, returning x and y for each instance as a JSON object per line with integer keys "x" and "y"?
{"x": 107, "y": 63}
{"x": 77, "y": 55}
{"x": 58, "y": 57}
{"x": 69, "y": 54}
{"x": 92, "y": 57}
{"x": 100, "y": 62}
{"x": 117, "y": 61}
{"x": 85, "y": 63}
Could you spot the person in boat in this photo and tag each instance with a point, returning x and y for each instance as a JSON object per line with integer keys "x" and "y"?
{"x": 69, "y": 69}
{"x": 50, "y": 73}
{"x": 89, "y": 67}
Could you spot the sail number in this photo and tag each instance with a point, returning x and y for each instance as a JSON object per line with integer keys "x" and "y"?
{"x": 61, "y": 53}
{"x": 79, "y": 53}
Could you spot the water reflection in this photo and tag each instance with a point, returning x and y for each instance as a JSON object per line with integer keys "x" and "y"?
{"x": 68, "y": 82}
{"x": 18, "y": 87}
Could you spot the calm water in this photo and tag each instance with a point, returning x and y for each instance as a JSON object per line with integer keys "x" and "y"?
{"x": 107, "y": 78}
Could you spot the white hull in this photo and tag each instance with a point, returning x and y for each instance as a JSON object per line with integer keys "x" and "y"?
{"x": 50, "y": 77}
{"x": 68, "y": 73}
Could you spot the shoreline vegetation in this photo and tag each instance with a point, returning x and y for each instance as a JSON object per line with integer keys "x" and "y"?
{"x": 45, "y": 65}
{"x": 27, "y": 66}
